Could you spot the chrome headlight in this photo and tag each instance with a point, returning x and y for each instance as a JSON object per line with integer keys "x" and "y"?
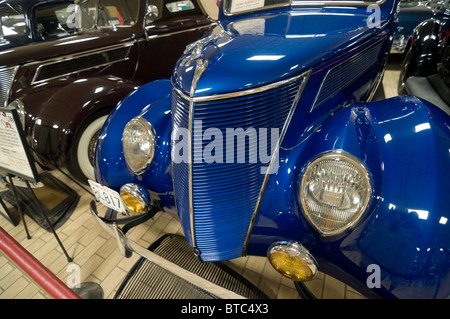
{"x": 138, "y": 141}
{"x": 20, "y": 107}
{"x": 335, "y": 191}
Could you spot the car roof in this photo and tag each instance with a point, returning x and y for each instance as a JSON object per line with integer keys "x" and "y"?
{"x": 28, "y": 4}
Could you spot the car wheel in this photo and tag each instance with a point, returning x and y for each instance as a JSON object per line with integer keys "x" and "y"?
{"x": 81, "y": 157}
{"x": 405, "y": 71}
{"x": 379, "y": 93}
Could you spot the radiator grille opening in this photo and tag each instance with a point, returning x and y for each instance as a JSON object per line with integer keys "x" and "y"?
{"x": 224, "y": 194}
{"x": 347, "y": 72}
{"x": 6, "y": 77}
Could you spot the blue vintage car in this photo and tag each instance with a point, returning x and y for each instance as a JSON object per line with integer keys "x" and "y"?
{"x": 26, "y": 21}
{"x": 266, "y": 142}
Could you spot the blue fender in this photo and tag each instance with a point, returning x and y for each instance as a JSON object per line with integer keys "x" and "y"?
{"x": 405, "y": 144}
{"x": 152, "y": 101}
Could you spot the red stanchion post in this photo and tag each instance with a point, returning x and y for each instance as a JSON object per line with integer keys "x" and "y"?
{"x": 34, "y": 268}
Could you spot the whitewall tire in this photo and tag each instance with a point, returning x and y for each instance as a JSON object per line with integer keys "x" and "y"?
{"x": 80, "y": 163}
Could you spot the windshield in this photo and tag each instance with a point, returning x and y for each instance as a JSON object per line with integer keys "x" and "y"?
{"x": 50, "y": 20}
{"x": 107, "y": 13}
{"x": 12, "y": 21}
{"x": 245, "y": 6}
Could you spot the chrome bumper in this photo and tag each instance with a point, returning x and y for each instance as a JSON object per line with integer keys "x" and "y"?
{"x": 127, "y": 245}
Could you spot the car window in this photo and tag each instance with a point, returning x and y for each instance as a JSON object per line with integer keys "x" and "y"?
{"x": 168, "y": 9}
{"x": 179, "y": 6}
{"x": 12, "y": 21}
{"x": 108, "y": 13}
{"x": 51, "y": 20}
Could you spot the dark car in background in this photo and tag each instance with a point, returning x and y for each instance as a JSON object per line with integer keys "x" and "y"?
{"x": 411, "y": 14}
{"x": 425, "y": 70}
{"x": 65, "y": 88}
{"x": 26, "y": 21}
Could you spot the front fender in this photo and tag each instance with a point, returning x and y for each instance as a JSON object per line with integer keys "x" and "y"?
{"x": 152, "y": 101}
{"x": 59, "y": 111}
{"x": 405, "y": 143}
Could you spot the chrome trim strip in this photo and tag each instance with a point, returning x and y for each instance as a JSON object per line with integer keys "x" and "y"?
{"x": 8, "y": 91}
{"x": 82, "y": 54}
{"x": 238, "y": 93}
{"x": 305, "y": 76}
{"x": 313, "y": 105}
{"x": 201, "y": 67}
{"x": 377, "y": 81}
{"x": 77, "y": 56}
{"x": 191, "y": 200}
{"x": 212, "y": 24}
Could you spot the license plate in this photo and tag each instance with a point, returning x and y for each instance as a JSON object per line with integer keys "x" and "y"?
{"x": 107, "y": 196}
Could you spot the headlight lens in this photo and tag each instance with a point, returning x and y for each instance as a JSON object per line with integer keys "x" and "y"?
{"x": 138, "y": 141}
{"x": 20, "y": 107}
{"x": 335, "y": 190}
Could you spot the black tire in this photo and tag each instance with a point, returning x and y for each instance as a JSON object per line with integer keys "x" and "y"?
{"x": 379, "y": 93}
{"x": 81, "y": 153}
{"x": 303, "y": 291}
{"x": 406, "y": 71}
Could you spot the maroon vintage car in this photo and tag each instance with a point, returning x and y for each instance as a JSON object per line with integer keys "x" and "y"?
{"x": 64, "y": 89}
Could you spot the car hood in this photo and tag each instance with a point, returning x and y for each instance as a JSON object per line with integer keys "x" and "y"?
{"x": 68, "y": 45}
{"x": 254, "y": 51}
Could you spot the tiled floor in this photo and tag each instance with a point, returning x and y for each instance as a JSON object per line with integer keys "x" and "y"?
{"x": 96, "y": 253}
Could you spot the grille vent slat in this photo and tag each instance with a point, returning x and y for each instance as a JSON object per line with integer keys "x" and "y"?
{"x": 347, "y": 72}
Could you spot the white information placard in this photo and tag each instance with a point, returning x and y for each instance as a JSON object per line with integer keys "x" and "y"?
{"x": 15, "y": 155}
{"x": 243, "y": 5}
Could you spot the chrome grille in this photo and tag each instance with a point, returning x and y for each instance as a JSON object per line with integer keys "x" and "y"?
{"x": 223, "y": 197}
{"x": 6, "y": 77}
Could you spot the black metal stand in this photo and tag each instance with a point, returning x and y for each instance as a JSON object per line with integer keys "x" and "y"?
{"x": 16, "y": 197}
{"x": 26, "y": 201}
{"x": 5, "y": 212}
{"x": 36, "y": 200}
